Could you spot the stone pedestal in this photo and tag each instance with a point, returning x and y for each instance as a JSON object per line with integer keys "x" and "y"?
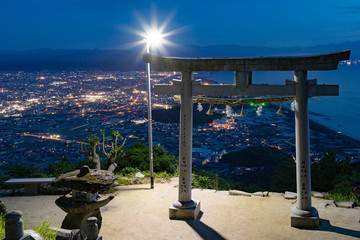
{"x": 304, "y": 219}
{"x": 184, "y": 211}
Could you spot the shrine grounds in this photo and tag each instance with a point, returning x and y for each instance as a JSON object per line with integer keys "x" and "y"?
{"x": 138, "y": 212}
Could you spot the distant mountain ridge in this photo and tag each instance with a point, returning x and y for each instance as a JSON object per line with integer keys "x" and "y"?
{"x": 130, "y": 60}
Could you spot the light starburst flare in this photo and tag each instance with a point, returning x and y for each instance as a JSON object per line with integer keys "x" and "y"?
{"x": 154, "y": 35}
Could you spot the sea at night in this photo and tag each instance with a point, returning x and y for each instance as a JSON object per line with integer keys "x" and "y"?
{"x": 340, "y": 113}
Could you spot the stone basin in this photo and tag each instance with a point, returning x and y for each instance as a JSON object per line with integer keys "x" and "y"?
{"x": 69, "y": 206}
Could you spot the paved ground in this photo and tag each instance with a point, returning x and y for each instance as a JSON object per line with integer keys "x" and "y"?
{"x": 138, "y": 212}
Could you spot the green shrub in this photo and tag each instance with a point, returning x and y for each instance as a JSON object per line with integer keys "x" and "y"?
{"x": 2, "y": 208}
{"x": 201, "y": 181}
{"x": 128, "y": 171}
{"x": 64, "y": 165}
{"x": 123, "y": 181}
{"x": 163, "y": 174}
{"x": 3, "y": 179}
{"x": 108, "y": 189}
{"x": 338, "y": 197}
{"x": 208, "y": 180}
{"x": 137, "y": 156}
{"x": 342, "y": 192}
{"x": 2, "y": 226}
{"x": 58, "y": 168}
{"x": 44, "y": 230}
{"x": 328, "y": 169}
{"x": 284, "y": 178}
{"x": 23, "y": 171}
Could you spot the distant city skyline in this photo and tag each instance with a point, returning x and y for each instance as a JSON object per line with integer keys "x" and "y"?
{"x": 89, "y": 24}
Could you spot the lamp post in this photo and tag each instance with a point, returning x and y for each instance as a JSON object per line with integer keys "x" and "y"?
{"x": 149, "y": 119}
{"x": 152, "y": 38}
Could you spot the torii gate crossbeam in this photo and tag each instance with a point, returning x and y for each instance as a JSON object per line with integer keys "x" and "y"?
{"x": 303, "y": 214}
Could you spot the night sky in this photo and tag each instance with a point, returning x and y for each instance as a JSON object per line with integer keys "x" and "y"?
{"x": 110, "y": 24}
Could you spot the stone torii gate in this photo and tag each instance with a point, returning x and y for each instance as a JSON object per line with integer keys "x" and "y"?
{"x": 303, "y": 214}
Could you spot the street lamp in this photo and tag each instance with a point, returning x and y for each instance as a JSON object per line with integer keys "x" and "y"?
{"x": 153, "y": 38}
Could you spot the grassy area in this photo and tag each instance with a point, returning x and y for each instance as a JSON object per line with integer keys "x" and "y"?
{"x": 342, "y": 193}
{"x": 164, "y": 174}
{"x": 340, "y": 197}
{"x": 208, "y": 180}
{"x": 124, "y": 181}
{"x": 125, "y": 177}
{"x": 44, "y": 230}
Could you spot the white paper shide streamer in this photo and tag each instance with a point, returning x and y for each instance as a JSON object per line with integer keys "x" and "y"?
{"x": 259, "y": 110}
{"x": 199, "y": 107}
{"x": 292, "y": 105}
{"x": 228, "y": 111}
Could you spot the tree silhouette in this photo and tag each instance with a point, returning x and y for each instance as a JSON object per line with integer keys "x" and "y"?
{"x": 116, "y": 149}
{"x": 91, "y": 154}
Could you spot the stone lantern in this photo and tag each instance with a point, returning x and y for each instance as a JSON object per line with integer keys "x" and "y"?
{"x": 84, "y": 200}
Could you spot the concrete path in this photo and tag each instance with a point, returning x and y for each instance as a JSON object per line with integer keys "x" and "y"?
{"x": 138, "y": 212}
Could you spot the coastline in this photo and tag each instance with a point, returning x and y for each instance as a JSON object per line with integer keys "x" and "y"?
{"x": 313, "y": 121}
{"x": 317, "y": 125}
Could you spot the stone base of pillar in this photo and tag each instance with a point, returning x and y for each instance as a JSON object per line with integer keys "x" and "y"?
{"x": 304, "y": 219}
{"x": 186, "y": 211}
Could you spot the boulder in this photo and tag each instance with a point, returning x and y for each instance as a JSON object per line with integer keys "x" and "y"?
{"x": 290, "y": 195}
{"x": 139, "y": 175}
{"x": 318, "y": 195}
{"x": 239, "y": 193}
{"x": 134, "y": 181}
{"x": 83, "y": 171}
{"x": 345, "y": 204}
{"x": 222, "y": 193}
{"x": 66, "y": 234}
{"x": 277, "y": 194}
{"x": 261, "y": 194}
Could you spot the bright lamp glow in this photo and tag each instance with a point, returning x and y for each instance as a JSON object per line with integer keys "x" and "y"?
{"x": 154, "y": 35}
{"x": 154, "y": 38}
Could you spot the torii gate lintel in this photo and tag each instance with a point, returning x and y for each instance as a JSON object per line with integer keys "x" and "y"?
{"x": 288, "y": 89}
{"x": 303, "y": 214}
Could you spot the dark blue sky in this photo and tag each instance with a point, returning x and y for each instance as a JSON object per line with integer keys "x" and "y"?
{"x": 105, "y": 24}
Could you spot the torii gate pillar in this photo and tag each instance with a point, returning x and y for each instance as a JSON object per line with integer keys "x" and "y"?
{"x": 184, "y": 207}
{"x": 303, "y": 214}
